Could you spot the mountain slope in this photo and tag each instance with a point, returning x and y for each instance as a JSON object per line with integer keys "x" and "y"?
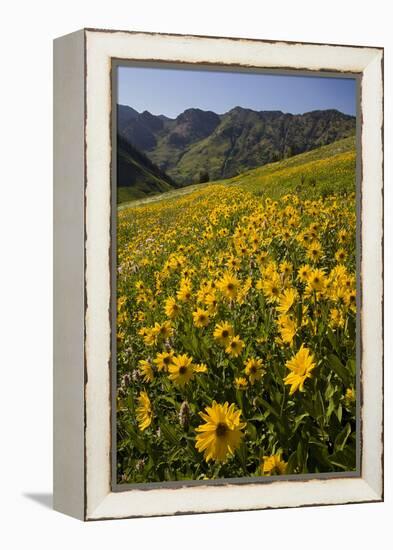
{"x": 137, "y": 176}
{"x": 226, "y": 145}
{"x": 327, "y": 170}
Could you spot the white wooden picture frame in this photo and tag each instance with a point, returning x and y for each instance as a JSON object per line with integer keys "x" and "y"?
{"x": 82, "y": 255}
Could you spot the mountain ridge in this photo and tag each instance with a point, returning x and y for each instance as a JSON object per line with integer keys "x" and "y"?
{"x": 224, "y": 145}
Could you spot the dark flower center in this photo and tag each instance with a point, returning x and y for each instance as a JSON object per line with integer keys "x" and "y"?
{"x": 225, "y": 334}
{"x": 221, "y": 429}
{"x": 230, "y": 286}
{"x": 182, "y": 369}
{"x": 167, "y": 360}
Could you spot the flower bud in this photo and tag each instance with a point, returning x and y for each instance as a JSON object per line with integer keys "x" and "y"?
{"x": 184, "y": 415}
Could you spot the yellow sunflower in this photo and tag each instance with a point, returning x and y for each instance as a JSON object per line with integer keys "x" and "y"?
{"x": 184, "y": 294}
{"x": 340, "y": 255}
{"x": 144, "y": 414}
{"x": 316, "y": 281}
{"x": 201, "y": 317}
{"x": 287, "y": 327}
{"x": 223, "y": 333}
{"x": 241, "y": 383}
{"x": 350, "y": 299}
{"x": 146, "y": 370}
{"x": 229, "y": 285}
{"x": 221, "y": 434}
{"x": 350, "y": 396}
{"x": 336, "y": 318}
{"x": 171, "y": 308}
{"x": 163, "y": 330}
{"x": 314, "y": 251}
{"x": 211, "y": 302}
{"x": 181, "y": 370}
{"x": 235, "y": 346}
{"x": 200, "y": 367}
{"x": 149, "y": 335}
{"x": 286, "y": 268}
{"x": 300, "y": 366}
{"x": 271, "y": 287}
{"x": 286, "y": 300}
{"x": 303, "y": 273}
{"x": 273, "y": 465}
{"x": 254, "y": 369}
{"x": 163, "y": 360}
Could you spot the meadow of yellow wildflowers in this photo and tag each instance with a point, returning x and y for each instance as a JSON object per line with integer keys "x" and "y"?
{"x": 236, "y": 331}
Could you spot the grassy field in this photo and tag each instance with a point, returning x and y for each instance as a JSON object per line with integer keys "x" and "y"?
{"x": 236, "y": 325}
{"x": 321, "y": 172}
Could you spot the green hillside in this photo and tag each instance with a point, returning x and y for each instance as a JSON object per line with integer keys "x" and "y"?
{"x": 137, "y": 176}
{"x": 324, "y": 171}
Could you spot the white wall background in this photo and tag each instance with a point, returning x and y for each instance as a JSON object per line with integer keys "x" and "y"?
{"x": 27, "y": 30}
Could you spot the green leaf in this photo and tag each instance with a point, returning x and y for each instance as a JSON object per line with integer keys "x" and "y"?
{"x": 343, "y": 373}
{"x": 330, "y": 389}
{"x": 175, "y": 454}
{"x": 298, "y": 420}
{"x": 330, "y": 409}
{"x": 169, "y": 433}
{"x": 299, "y": 314}
{"x": 168, "y": 399}
{"x": 242, "y": 454}
{"x": 339, "y": 412}
{"x": 332, "y": 339}
{"x": 340, "y": 460}
{"x": 251, "y": 431}
{"x": 260, "y": 417}
{"x": 302, "y": 454}
{"x": 239, "y": 398}
{"x": 319, "y": 406}
{"x": 342, "y": 437}
{"x": 292, "y": 464}
{"x": 269, "y": 407}
{"x": 192, "y": 452}
{"x": 299, "y": 455}
{"x": 351, "y": 365}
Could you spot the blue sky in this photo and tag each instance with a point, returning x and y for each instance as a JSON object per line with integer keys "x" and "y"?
{"x": 171, "y": 91}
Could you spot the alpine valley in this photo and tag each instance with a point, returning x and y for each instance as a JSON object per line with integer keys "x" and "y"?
{"x": 157, "y": 154}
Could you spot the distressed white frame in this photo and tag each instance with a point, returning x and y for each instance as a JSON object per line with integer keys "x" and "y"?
{"x": 100, "y": 47}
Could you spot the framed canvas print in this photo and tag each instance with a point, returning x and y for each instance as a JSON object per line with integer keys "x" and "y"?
{"x": 218, "y": 274}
